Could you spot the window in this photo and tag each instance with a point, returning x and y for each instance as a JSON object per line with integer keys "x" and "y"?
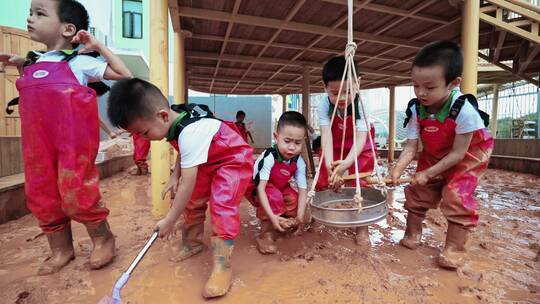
{"x": 132, "y": 19}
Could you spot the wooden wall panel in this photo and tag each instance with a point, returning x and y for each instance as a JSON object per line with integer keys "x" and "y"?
{"x": 10, "y": 156}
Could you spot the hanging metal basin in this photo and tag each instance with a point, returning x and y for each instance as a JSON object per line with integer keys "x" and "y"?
{"x": 374, "y": 208}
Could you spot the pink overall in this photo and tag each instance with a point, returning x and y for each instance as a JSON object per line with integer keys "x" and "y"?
{"x": 60, "y": 140}
{"x": 282, "y": 197}
{"x": 222, "y": 181}
{"x": 365, "y": 159}
{"x": 454, "y": 188}
{"x": 141, "y": 147}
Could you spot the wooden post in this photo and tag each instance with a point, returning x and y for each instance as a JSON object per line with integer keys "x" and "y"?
{"x": 179, "y": 68}
{"x": 469, "y": 42}
{"x": 284, "y": 103}
{"x": 305, "y": 93}
{"x": 494, "y": 107}
{"x": 392, "y": 124}
{"x": 159, "y": 76}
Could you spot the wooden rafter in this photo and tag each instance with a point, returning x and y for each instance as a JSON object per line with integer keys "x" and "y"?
{"x": 288, "y": 18}
{"x": 391, "y": 10}
{"x": 190, "y": 12}
{"x": 226, "y": 39}
{"x": 509, "y": 69}
{"x": 500, "y": 6}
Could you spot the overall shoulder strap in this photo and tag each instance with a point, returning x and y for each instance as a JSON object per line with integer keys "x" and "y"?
{"x": 408, "y": 111}
{"x": 260, "y": 165}
{"x": 458, "y": 105}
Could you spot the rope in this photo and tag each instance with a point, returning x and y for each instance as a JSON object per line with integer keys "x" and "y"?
{"x": 352, "y": 90}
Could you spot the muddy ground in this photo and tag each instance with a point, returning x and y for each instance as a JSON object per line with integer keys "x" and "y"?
{"x": 322, "y": 266}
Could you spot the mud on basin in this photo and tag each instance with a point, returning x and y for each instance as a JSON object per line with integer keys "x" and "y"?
{"x": 333, "y": 209}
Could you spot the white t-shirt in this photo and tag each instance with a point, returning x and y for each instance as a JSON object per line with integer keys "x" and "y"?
{"x": 468, "y": 120}
{"x": 324, "y": 118}
{"x": 194, "y": 141}
{"x": 85, "y": 68}
{"x": 299, "y": 176}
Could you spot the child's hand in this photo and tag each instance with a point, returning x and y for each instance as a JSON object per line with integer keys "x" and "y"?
{"x": 394, "y": 176}
{"x": 420, "y": 178}
{"x": 339, "y": 168}
{"x": 164, "y": 227}
{"x": 91, "y": 44}
{"x": 277, "y": 221}
{"x": 7, "y": 59}
{"x": 171, "y": 187}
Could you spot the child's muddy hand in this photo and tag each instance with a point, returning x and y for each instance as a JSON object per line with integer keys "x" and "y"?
{"x": 420, "y": 178}
{"x": 394, "y": 176}
{"x": 164, "y": 227}
{"x": 277, "y": 221}
{"x": 171, "y": 187}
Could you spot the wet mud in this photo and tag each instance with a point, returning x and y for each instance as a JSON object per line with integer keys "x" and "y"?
{"x": 323, "y": 265}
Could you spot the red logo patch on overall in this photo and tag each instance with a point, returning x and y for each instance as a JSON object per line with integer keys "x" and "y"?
{"x": 285, "y": 172}
{"x": 431, "y": 129}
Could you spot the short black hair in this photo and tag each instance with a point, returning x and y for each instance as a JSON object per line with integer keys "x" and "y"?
{"x": 444, "y": 53}
{"x": 240, "y": 113}
{"x": 71, "y": 11}
{"x": 334, "y": 68}
{"x": 292, "y": 118}
{"x": 133, "y": 98}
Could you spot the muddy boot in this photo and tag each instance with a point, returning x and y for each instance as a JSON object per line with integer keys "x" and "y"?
{"x": 143, "y": 171}
{"x": 361, "y": 237}
{"x": 61, "y": 243}
{"x": 192, "y": 242}
{"x": 220, "y": 280}
{"x": 454, "y": 253}
{"x": 413, "y": 232}
{"x": 103, "y": 239}
{"x": 265, "y": 240}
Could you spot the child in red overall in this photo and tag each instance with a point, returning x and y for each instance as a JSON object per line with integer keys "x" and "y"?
{"x": 331, "y": 137}
{"x": 141, "y": 147}
{"x": 271, "y": 192}
{"x": 215, "y": 167}
{"x": 240, "y": 116}
{"x": 455, "y": 154}
{"x": 60, "y": 129}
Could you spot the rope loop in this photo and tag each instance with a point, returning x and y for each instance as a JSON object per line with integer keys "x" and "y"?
{"x": 350, "y": 49}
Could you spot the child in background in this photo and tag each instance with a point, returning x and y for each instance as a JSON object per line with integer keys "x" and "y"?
{"x": 240, "y": 116}
{"x": 276, "y": 201}
{"x": 455, "y": 154}
{"x": 141, "y": 147}
{"x": 215, "y": 167}
{"x": 331, "y": 136}
{"x": 60, "y": 129}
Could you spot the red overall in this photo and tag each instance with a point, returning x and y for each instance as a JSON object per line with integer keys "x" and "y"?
{"x": 282, "y": 197}
{"x": 141, "y": 146}
{"x": 222, "y": 181}
{"x": 242, "y": 129}
{"x": 60, "y": 140}
{"x": 454, "y": 189}
{"x": 365, "y": 159}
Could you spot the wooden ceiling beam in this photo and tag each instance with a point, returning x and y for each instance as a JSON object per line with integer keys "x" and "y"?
{"x": 277, "y": 61}
{"x": 214, "y": 15}
{"x": 392, "y": 10}
{"x": 509, "y": 69}
{"x": 288, "y": 46}
{"x": 247, "y": 80}
{"x": 414, "y": 10}
{"x": 298, "y": 5}
{"x": 226, "y": 39}
{"x": 173, "y": 12}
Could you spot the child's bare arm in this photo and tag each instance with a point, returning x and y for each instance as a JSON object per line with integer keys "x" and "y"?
{"x": 185, "y": 189}
{"x": 7, "y": 59}
{"x": 116, "y": 69}
{"x": 327, "y": 147}
{"x": 405, "y": 158}
{"x": 302, "y": 204}
{"x": 459, "y": 149}
{"x": 172, "y": 185}
{"x": 263, "y": 200}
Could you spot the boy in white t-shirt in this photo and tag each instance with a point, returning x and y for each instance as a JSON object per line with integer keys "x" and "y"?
{"x": 215, "y": 168}
{"x": 60, "y": 128}
{"x": 455, "y": 154}
{"x": 279, "y": 206}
